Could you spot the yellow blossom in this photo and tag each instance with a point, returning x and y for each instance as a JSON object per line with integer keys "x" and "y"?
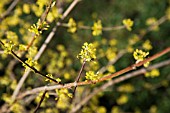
{"x": 151, "y": 22}
{"x": 133, "y": 40}
{"x": 123, "y": 99}
{"x": 115, "y": 109}
{"x": 90, "y": 75}
{"x": 147, "y": 45}
{"x": 113, "y": 42}
{"x": 153, "y": 109}
{"x": 72, "y": 26}
{"x": 26, "y": 8}
{"x": 88, "y": 52}
{"x": 153, "y": 73}
{"x": 97, "y": 28}
{"x": 130, "y": 49}
{"x": 139, "y": 55}
{"x": 111, "y": 69}
{"x": 126, "y": 88}
{"x": 128, "y": 23}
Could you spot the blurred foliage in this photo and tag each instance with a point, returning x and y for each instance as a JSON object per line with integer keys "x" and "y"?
{"x": 142, "y": 94}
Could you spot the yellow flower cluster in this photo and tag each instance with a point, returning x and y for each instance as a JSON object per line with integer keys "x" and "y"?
{"x": 147, "y": 45}
{"x": 38, "y": 27}
{"x": 88, "y": 52}
{"x": 72, "y": 26}
{"x": 128, "y": 23}
{"x": 63, "y": 98}
{"x": 151, "y": 21}
{"x": 123, "y": 99}
{"x": 90, "y": 75}
{"x": 110, "y": 53}
{"x": 97, "y": 28}
{"x": 139, "y": 55}
{"x": 111, "y": 69}
{"x": 128, "y": 88}
{"x": 153, "y": 73}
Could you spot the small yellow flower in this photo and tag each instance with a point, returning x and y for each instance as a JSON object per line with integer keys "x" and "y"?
{"x": 123, "y": 99}
{"x": 111, "y": 69}
{"x": 88, "y": 52}
{"x": 128, "y": 23}
{"x": 147, "y": 45}
{"x": 90, "y": 75}
{"x": 72, "y": 26}
{"x": 139, "y": 55}
{"x": 49, "y": 75}
{"x": 150, "y": 22}
{"x": 133, "y": 39}
{"x": 128, "y": 88}
{"x": 153, "y": 109}
{"x": 97, "y": 28}
{"x": 26, "y": 8}
{"x": 153, "y": 73}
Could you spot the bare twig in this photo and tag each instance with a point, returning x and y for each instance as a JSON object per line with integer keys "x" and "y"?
{"x": 150, "y": 28}
{"x": 89, "y": 27}
{"x": 39, "y": 104}
{"x": 69, "y": 85}
{"x": 79, "y": 75}
{"x": 118, "y": 80}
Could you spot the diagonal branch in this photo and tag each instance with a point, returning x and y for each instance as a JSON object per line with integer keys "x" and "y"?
{"x": 118, "y": 80}
{"x": 69, "y": 85}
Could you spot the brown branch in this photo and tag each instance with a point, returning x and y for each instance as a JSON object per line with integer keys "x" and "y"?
{"x": 69, "y": 85}
{"x": 78, "y": 77}
{"x": 118, "y": 80}
{"x": 39, "y": 104}
{"x": 132, "y": 67}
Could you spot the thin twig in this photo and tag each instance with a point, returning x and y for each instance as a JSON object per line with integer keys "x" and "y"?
{"x": 150, "y": 28}
{"x": 70, "y": 8}
{"x": 160, "y": 21}
{"x": 39, "y": 104}
{"x": 78, "y": 77}
{"x": 69, "y": 85}
{"x": 89, "y": 27}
